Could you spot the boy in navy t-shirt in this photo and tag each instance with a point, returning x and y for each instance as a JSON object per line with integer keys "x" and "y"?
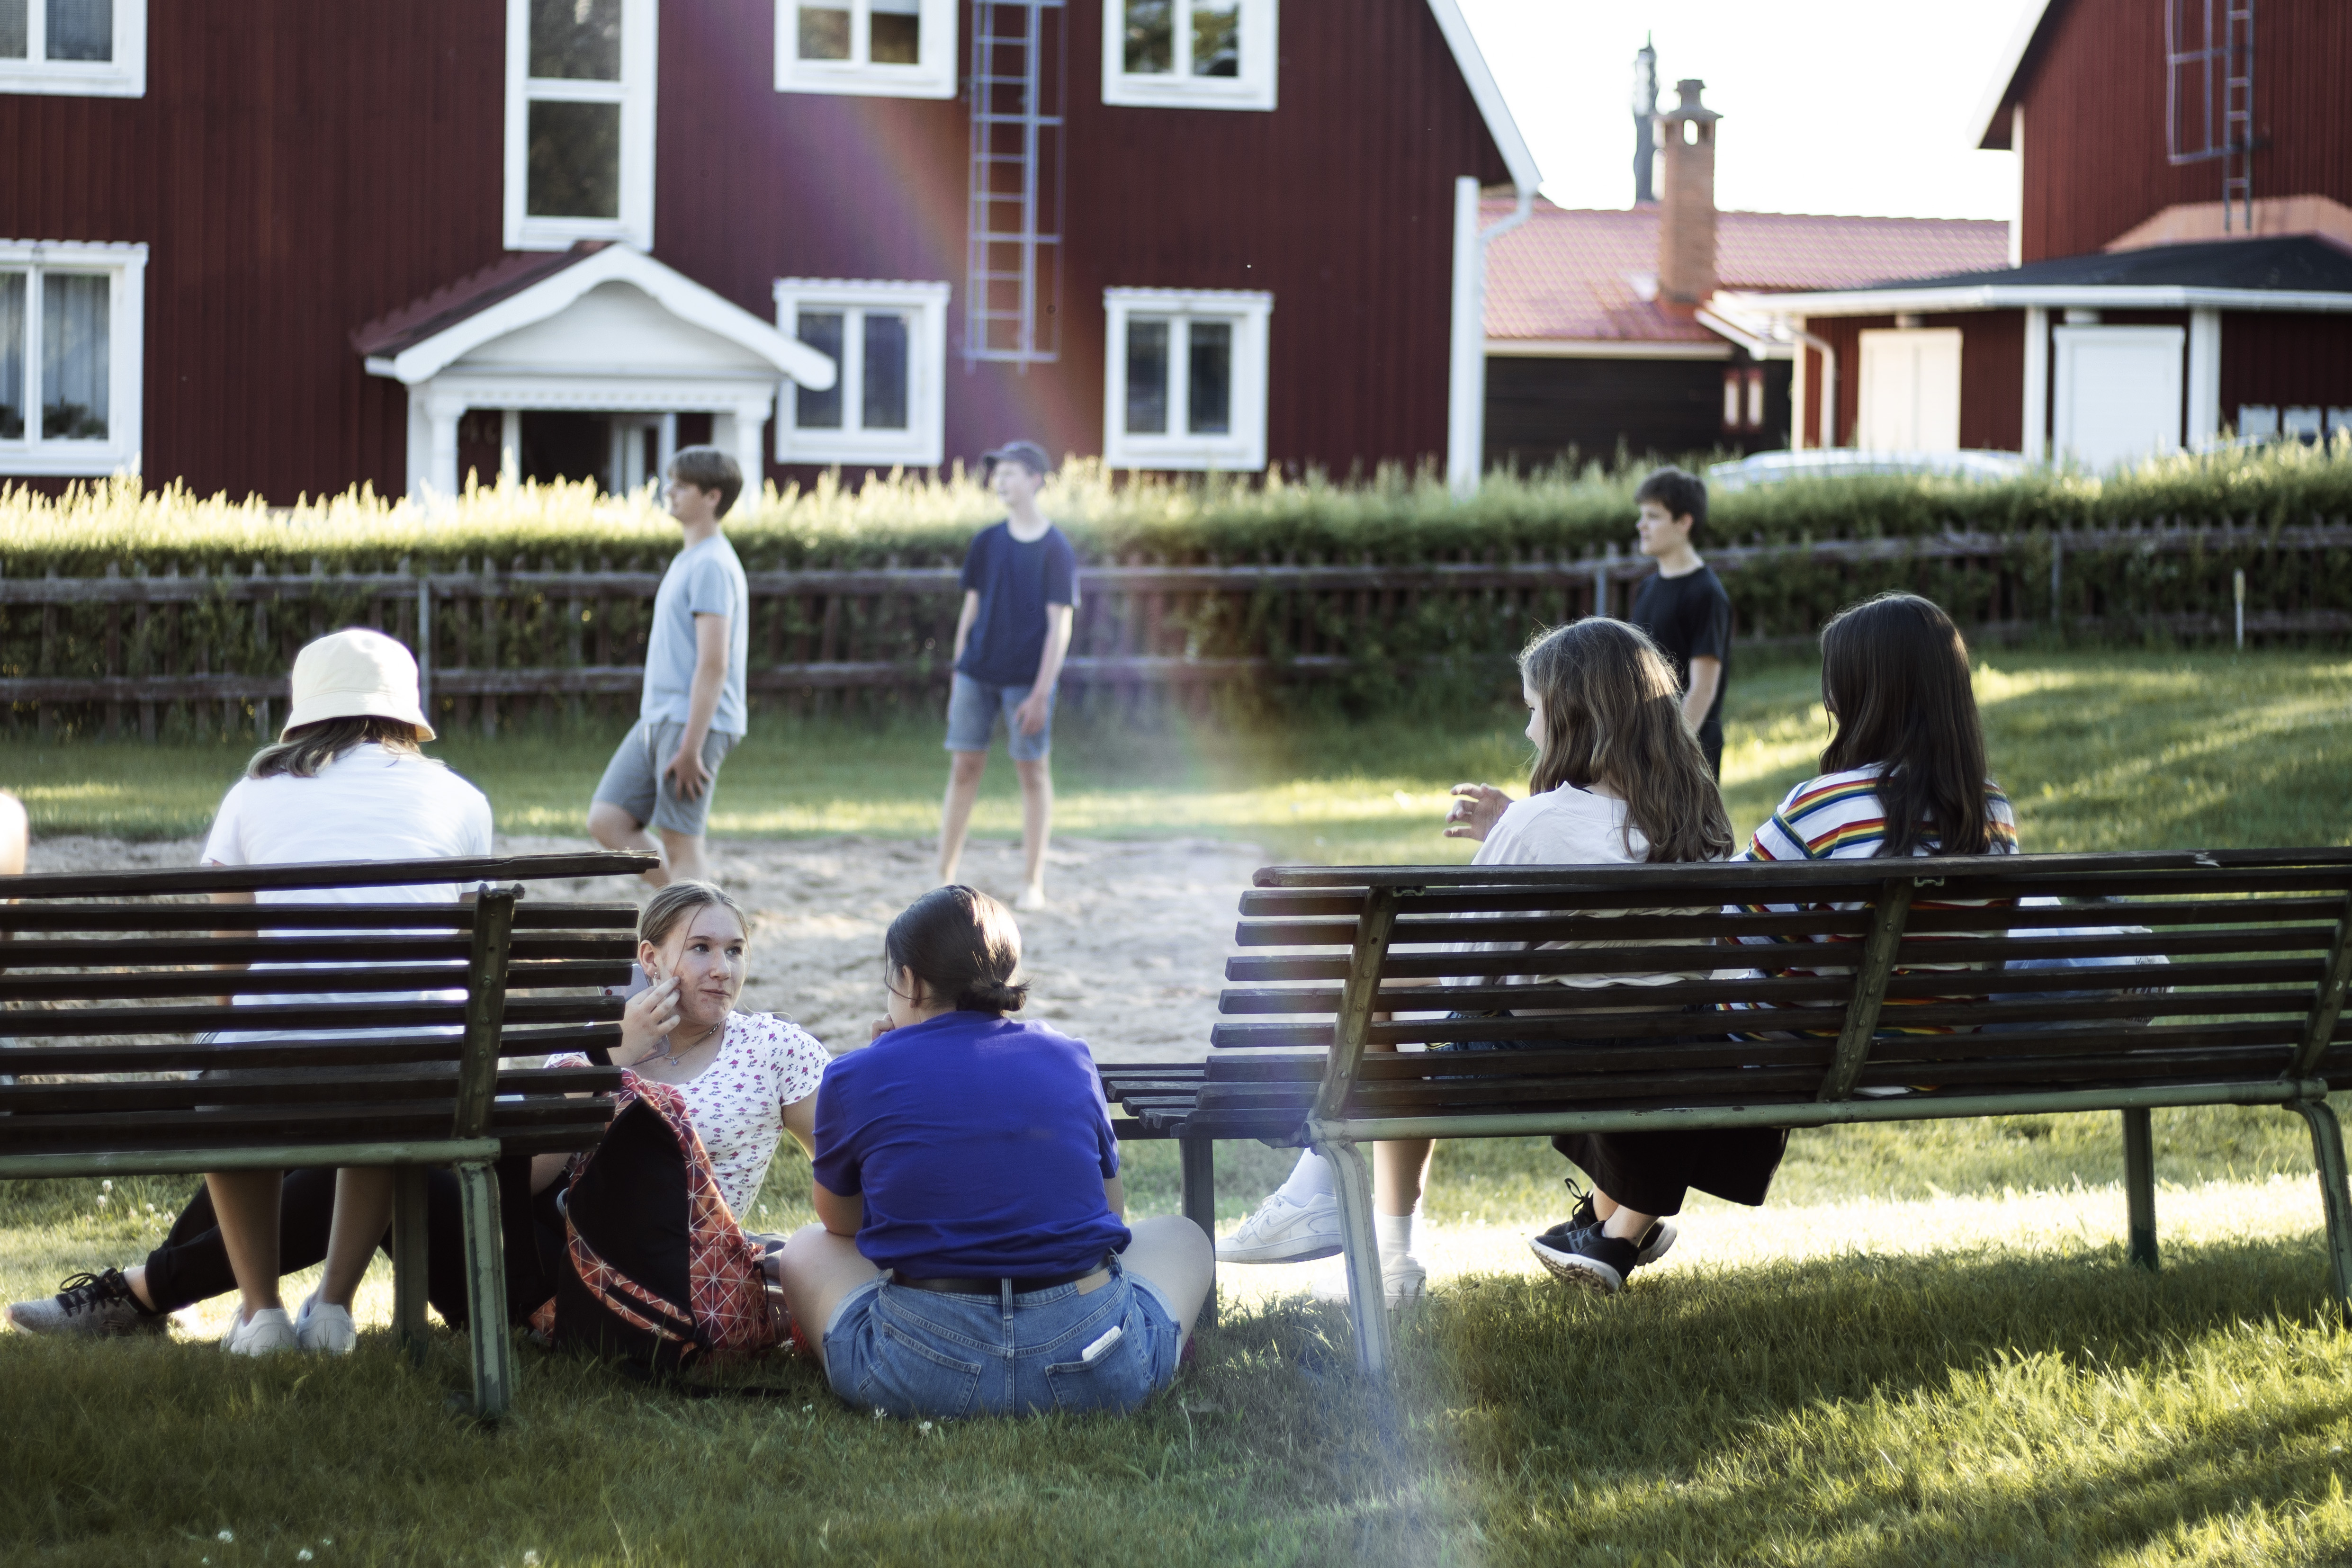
{"x": 1020, "y": 594}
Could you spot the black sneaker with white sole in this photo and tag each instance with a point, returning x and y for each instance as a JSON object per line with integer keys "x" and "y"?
{"x": 90, "y": 1304}
{"x": 1653, "y": 1245}
{"x": 1588, "y": 1258}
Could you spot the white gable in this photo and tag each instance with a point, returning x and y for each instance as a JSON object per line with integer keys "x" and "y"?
{"x": 615, "y": 330}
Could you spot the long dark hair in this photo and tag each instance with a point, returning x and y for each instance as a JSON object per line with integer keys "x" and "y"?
{"x": 1612, "y": 714}
{"x": 309, "y": 747}
{"x": 1895, "y": 676}
{"x": 961, "y": 944}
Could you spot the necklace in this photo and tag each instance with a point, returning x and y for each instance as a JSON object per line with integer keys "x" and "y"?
{"x": 671, "y": 1055}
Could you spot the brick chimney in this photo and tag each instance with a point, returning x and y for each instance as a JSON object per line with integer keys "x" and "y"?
{"x": 1686, "y": 215}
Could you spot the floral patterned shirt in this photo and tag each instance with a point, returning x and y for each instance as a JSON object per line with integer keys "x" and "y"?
{"x": 737, "y": 1103}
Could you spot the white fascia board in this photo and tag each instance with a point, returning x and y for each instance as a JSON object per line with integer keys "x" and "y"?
{"x": 1525, "y": 176}
{"x": 1759, "y": 346}
{"x": 1987, "y": 122}
{"x": 2014, "y": 297}
{"x": 1600, "y": 349}
{"x": 679, "y": 295}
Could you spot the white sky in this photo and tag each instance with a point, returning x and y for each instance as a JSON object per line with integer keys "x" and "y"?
{"x": 1855, "y": 107}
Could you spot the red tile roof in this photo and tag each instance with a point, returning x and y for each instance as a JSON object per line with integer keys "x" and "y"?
{"x": 443, "y": 308}
{"x": 1580, "y": 275}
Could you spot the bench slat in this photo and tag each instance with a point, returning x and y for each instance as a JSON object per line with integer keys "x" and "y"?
{"x": 50, "y": 1024}
{"x": 2106, "y": 864}
{"x": 292, "y": 1086}
{"x": 139, "y": 984}
{"x": 206, "y": 917}
{"x": 85, "y": 953}
{"x": 293, "y": 1123}
{"x": 322, "y": 874}
{"x": 326, "y": 1050}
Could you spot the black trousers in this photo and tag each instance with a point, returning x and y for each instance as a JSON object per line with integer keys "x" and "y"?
{"x": 1652, "y": 1172}
{"x": 1710, "y": 740}
{"x": 192, "y": 1265}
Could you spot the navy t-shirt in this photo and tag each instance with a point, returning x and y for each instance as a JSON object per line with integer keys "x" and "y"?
{"x": 1015, "y": 581}
{"x": 981, "y": 1147}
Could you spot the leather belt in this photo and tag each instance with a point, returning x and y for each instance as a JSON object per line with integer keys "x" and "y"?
{"x": 1021, "y": 1287}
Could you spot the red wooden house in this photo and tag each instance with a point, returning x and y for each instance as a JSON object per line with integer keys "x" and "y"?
{"x": 2183, "y": 261}
{"x": 278, "y": 247}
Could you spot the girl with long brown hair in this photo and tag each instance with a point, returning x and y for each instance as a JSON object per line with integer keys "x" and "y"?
{"x": 1617, "y": 777}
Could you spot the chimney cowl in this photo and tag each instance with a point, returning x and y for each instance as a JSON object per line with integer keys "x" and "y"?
{"x": 1689, "y": 107}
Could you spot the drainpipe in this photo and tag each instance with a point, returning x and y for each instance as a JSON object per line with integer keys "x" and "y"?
{"x": 1465, "y": 403}
{"x": 1829, "y": 390}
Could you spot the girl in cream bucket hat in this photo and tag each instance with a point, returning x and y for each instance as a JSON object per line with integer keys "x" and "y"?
{"x": 344, "y": 782}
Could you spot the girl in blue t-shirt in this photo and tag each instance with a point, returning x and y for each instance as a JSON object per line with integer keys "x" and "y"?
{"x": 971, "y": 1255}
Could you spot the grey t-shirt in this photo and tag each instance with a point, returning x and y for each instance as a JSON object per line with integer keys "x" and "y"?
{"x": 706, "y": 579}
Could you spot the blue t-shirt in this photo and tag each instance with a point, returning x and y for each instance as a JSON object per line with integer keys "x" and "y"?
{"x": 981, "y": 1147}
{"x": 706, "y": 579}
{"x": 1015, "y": 581}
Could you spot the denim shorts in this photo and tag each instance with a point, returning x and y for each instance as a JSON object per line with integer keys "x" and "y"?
{"x": 909, "y": 1353}
{"x": 972, "y": 707}
{"x": 638, "y": 781}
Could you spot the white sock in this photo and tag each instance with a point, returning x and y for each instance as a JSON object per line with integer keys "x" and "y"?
{"x": 1395, "y": 1232}
{"x": 1310, "y": 1178}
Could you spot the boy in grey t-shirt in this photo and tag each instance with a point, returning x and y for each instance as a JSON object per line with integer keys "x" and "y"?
{"x": 693, "y": 711}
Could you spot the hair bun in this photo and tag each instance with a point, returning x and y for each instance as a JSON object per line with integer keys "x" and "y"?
{"x": 993, "y": 996}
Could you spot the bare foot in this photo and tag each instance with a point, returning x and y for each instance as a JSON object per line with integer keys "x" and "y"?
{"x": 1032, "y": 897}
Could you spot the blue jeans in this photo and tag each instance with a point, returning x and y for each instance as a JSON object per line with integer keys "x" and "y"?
{"x": 972, "y": 707}
{"x": 913, "y": 1353}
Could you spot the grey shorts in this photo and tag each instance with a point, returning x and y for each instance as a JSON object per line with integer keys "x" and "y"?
{"x": 972, "y": 707}
{"x": 637, "y": 779}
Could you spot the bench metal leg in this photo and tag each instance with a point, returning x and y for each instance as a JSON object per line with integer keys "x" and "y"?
{"x": 1367, "y": 1298}
{"x": 2328, "y": 1153}
{"x": 1197, "y": 1178}
{"x": 408, "y": 1269}
{"x": 2139, "y": 1185}
{"x": 486, "y": 1289}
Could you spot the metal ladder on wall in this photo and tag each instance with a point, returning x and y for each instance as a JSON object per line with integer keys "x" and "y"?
{"x": 1012, "y": 260}
{"x": 2201, "y": 60}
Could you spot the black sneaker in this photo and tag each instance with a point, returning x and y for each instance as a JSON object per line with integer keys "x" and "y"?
{"x": 1589, "y": 1258}
{"x": 1653, "y": 1244}
{"x": 90, "y": 1304}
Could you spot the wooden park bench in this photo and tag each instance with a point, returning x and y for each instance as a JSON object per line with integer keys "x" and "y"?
{"x": 2227, "y": 988}
{"x": 113, "y": 998}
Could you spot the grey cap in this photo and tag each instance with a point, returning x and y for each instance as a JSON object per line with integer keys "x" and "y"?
{"x": 1028, "y": 454}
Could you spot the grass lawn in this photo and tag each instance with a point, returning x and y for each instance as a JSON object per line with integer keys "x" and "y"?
{"x": 1927, "y": 1349}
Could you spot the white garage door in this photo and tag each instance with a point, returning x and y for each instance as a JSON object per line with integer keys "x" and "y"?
{"x": 2118, "y": 394}
{"x": 1910, "y": 390}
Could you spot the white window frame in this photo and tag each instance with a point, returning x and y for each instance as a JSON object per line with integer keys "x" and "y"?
{"x": 1243, "y": 447}
{"x": 1179, "y": 89}
{"x": 933, "y": 74}
{"x": 923, "y": 444}
{"x": 124, "y": 76}
{"x": 640, "y": 29}
{"x": 126, "y": 266}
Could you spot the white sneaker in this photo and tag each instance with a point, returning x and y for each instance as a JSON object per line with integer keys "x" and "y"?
{"x": 325, "y": 1330}
{"x": 265, "y": 1333}
{"x": 1403, "y": 1283}
{"x": 1282, "y": 1231}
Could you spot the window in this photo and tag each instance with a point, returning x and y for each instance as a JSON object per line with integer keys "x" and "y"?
{"x": 1185, "y": 385}
{"x": 70, "y": 330}
{"x": 881, "y": 49}
{"x": 890, "y": 343}
{"x": 1189, "y": 54}
{"x": 94, "y": 48}
{"x": 579, "y": 122}
{"x": 1743, "y": 398}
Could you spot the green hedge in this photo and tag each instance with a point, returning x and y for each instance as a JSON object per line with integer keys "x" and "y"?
{"x": 917, "y": 520}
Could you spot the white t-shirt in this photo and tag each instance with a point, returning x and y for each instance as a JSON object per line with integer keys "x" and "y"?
{"x": 737, "y": 1103}
{"x": 1569, "y": 826}
{"x": 369, "y": 804}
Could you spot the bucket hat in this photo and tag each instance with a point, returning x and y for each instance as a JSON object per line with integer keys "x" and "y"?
{"x": 355, "y": 674}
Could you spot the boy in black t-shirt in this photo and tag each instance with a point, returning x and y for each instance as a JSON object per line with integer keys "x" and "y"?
{"x": 1683, "y": 607}
{"x": 1020, "y": 595}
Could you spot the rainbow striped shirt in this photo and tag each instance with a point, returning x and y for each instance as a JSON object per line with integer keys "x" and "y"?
{"x": 1839, "y": 815}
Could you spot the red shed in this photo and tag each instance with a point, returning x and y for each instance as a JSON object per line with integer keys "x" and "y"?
{"x": 277, "y": 248}
{"x": 2183, "y": 262}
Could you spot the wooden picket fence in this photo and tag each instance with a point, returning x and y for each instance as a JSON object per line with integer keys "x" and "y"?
{"x": 124, "y": 654}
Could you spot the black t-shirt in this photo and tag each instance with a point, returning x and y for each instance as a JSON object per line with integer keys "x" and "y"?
{"x": 1689, "y": 617}
{"x": 1015, "y": 583}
